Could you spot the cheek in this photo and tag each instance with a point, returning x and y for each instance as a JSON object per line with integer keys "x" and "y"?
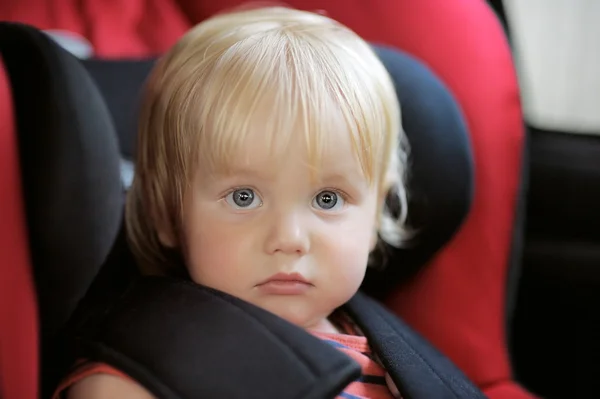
{"x": 215, "y": 251}
{"x": 348, "y": 246}
{"x": 352, "y": 249}
{"x": 344, "y": 265}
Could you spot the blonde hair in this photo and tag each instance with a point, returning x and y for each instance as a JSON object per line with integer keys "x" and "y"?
{"x": 200, "y": 99}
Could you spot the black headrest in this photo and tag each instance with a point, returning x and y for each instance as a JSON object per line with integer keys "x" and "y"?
{"x": 69, "y": 160}
{"x": 441, "y": 175}
{"x": 441, "y": 172}
{"x": 120, "y": 83}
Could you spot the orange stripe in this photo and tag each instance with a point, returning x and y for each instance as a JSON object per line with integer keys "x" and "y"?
{"x": 357, "y": 347}
{"x": 369, "y": 391}
{"x": 354, "y": 342}
{"x": 86, "y": 370}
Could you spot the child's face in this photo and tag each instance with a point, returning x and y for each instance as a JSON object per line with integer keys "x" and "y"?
{"x": 270, "y": 215}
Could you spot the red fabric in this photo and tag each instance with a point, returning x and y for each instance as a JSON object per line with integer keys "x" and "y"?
{"x": 18, "y": 312}
{"x": 458, "y": 301}
{"x": 116, "y": 28}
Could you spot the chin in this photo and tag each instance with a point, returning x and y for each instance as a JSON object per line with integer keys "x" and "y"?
{"x": 297, "y": 314}
{"x": 290, "y": 316}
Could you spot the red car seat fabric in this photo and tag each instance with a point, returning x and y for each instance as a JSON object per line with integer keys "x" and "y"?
{"x": 18, "y": 309}
{"x": 116, "y": 29}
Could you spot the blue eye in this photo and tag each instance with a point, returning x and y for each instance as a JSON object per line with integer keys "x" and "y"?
{"x": 243, "y": 198}
{"x": 328, "y": 200}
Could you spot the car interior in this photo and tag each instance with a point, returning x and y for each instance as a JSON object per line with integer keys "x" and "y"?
{"x": 499, "y": 109}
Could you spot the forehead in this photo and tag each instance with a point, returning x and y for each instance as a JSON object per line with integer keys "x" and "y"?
{"x": 255, "y": 117}
{"x": 331, "y": 151}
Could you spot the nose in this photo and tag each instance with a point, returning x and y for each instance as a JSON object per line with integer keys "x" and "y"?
{"x": 288, "y": 234}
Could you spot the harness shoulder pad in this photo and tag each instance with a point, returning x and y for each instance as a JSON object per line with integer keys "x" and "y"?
{"x": 181, "y": 340}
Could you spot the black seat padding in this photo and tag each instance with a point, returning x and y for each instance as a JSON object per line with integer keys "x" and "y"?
{"x": 120, "y": 83}
{"x": 69, "y": 159}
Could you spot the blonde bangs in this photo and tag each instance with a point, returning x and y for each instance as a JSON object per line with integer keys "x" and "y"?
{"x": 282, "y": 82}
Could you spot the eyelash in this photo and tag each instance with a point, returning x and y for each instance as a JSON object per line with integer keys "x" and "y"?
{"x": 339, "y": 192}
{"x": 233, "y": 189}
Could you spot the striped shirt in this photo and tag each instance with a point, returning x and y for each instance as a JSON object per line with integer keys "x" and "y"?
{"x": 372, "y": 382}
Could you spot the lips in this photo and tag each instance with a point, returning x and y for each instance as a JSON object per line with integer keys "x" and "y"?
{"x": 285, "y": 284}
{"x": 286, "y": 277}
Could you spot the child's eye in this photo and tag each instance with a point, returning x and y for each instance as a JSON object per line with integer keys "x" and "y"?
{"x": 328, "y": 201}
{"x": 243, "y": 198}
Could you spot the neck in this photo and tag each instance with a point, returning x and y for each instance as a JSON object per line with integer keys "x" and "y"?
{"x": 324, "y": 326}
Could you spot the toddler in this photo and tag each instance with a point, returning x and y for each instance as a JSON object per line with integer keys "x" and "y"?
{"x": 269, "y": 142}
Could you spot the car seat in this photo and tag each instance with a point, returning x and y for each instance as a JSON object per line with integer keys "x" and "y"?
{"x": 65, "y": 155}
{"x": 469, "y": 287}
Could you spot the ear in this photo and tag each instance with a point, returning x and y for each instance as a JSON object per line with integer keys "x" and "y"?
{"x": 163, "y": 231}
{"x": 375, "y": 233}
{"x": 374, "y": 240}
{"x": 165, "y": 238}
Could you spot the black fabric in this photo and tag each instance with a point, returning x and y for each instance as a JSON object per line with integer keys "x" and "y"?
{"x": 70, "y": 170}
{"x": 500, "y": 10}
{"x": 182, "y": 340}
{"x": 565, "y": 184}
{"x": 418, "y": 369}
{"x": 120, "y": 84}
{"x": 557, "y": 323}
{"x": 441, "y": 178}
{"x": 113, "y": 279}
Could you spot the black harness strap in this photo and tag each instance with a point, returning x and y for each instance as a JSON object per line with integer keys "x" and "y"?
{"x": 184, "y": 341}
{"x": 418, "y": 370}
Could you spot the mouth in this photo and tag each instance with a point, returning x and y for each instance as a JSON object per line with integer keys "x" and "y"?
{"x": 285, "y": 284}
{"x": 286, "y": 278}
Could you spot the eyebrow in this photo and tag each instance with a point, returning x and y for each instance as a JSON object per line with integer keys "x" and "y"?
{"x": 354, "y": 180}
{"x": 235, "y": 171}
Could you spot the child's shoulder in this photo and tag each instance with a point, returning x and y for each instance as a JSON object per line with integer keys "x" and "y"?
{"x": 107, "y": 386}
{"x": 99, "y": 381}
